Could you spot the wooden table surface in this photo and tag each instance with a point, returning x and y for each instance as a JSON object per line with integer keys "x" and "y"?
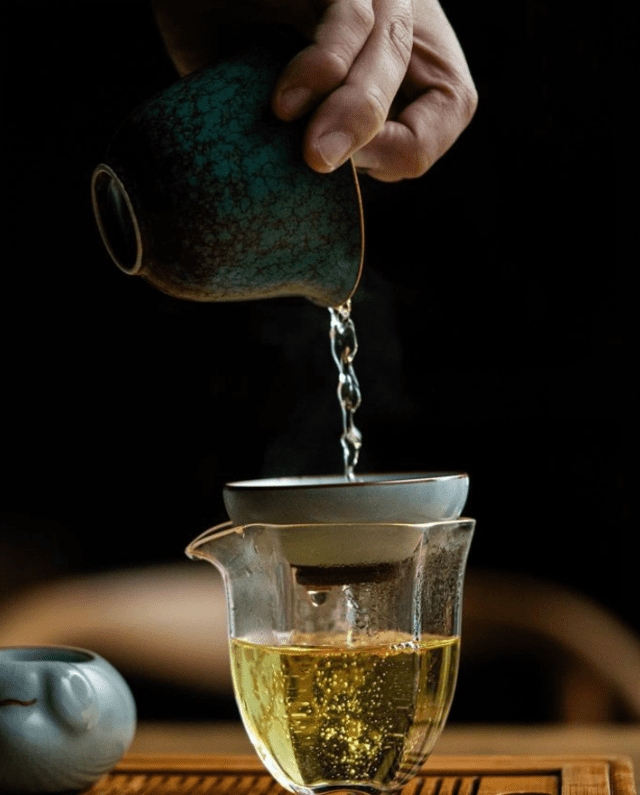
{"x": 162, "y": 774}
{"x": 596, "y": 740}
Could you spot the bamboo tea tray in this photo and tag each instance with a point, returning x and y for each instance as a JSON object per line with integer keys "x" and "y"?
{"x": 161, "y": 774}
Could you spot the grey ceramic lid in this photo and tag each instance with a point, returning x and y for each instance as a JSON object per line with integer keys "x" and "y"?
{"x": 402, "y": 498}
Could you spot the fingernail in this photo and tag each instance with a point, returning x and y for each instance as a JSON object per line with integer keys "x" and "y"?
{"x": 365, "y": 160}
{"x": 333, "y": 147}
{"x": 293, "y": 100}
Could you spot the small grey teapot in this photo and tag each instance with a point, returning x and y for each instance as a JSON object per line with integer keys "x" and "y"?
{"x": 66, "y": 717}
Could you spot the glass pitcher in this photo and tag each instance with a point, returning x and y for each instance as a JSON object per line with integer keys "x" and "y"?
{"x": 344, "y": 642}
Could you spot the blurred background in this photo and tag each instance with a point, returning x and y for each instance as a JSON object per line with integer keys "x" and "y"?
{"x": 494, "y": 324}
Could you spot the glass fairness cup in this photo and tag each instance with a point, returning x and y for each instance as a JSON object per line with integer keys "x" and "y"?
{"x": 344, "y": 635}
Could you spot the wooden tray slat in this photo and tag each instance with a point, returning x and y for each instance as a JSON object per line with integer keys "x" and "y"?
{"x": 541, "y": 785}
{"x": 159, "y": 774}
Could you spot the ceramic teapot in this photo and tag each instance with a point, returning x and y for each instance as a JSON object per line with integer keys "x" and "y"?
{"x": 205, "y": 193}
{"x": 66, "y": 717}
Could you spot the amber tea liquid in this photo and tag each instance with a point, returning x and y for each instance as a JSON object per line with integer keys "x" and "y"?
{"x": 321, "y": 715}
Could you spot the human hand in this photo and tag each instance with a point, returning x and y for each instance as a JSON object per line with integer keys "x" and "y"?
{"x": 385, "y": 81}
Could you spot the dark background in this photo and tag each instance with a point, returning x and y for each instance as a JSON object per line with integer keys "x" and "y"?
{"x": 493, "y": 318}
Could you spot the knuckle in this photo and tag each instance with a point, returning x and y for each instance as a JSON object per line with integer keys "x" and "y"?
{"x": 466, "y": 98}
{"x": 401, "y": 37}
{"x": 422, "y": 162}
{"x": 375, "y": 108}
{"x": 418, "y": 163}
{"x": 461, "y": 105}
{"x": 417, "y": 158}
{"x": 363, "y": 16}
{"x": 470, "y": 101}
{"x": 335, "y": 66}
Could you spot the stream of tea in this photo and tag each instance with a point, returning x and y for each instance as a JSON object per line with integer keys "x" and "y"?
{"x": 344, "y": 346}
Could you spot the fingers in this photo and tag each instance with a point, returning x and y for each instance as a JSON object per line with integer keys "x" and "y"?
{"x": 444, "y": 102}
{"x": 354, "y": 68}
{"x": 367, "y": 56}
{"x": 321, "y": 67}
{"x": 424, "y": 131}
{"x": 437, "y": 102}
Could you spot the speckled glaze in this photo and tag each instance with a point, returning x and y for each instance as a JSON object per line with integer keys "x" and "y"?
{"x": 205, "y": 193}
{"x": 66, "y": 718}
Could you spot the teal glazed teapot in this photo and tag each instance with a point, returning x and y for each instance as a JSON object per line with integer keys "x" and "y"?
{"x": 205, "y": 193}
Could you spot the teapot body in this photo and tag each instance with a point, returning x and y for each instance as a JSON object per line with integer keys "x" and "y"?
{"x": 205, "y": 194}
{"x": 66, "y": 717}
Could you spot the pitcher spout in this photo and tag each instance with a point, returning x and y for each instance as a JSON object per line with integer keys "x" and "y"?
{"x": 211, "y": 546}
